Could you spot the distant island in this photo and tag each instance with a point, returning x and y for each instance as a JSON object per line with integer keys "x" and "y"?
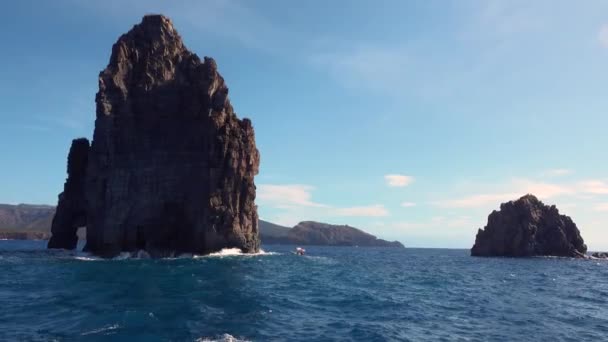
{"x": 321, "y": 234}
{"x": 26, "y": 221}
{"x": 33, "y": 222}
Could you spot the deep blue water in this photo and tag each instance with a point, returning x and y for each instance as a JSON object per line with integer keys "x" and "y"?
{"x": 341, "y": 293}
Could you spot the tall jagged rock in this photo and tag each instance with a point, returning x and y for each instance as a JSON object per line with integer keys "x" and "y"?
{"x": 71, "y": 210}
{"x": 171, "y": 167}
{"x": 527, "y": 227}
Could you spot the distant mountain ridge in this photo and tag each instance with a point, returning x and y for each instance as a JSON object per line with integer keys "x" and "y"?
{"x": 321, "y": 234}
{"x": 30, "y": 221}
{"x": 26, "y": 221}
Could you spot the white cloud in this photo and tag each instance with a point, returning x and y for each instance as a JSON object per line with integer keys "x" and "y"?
{"x": 602, "y": 36}
{"x": 476, "y": 201}
{"x": 557, "y": 172}
{"x": 437, "y": 223}
{"x": 540, "y": 189}
{"x": 408, "y": 204}
{"x": 376, "y": 210}
{"x": 586, "y": 189}
{"x": 396, "y": 180}
{"x": 601, "y": 207}
{"x": 287, "y": 195}
{"x": 517, "y": 188}
{"x": 295, "y": 203}
{"x": 596, "y": 187}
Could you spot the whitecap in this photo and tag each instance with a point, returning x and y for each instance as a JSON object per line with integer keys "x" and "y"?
{"x": 97, "y": 331}
{"x": 12, "y": 259}
{"x": 234, "y": 252}
{"x": 122, "y": 256}
{"x": 87, "y": 258}
{"x": 141, "y": 254}
{"x": 222, "y": 338}
{"x": 321, "y": 259}
{"x": 227, "y": 251}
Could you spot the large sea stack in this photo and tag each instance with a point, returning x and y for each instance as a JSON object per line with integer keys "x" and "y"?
{"x": 170, "y": 168}
{"x": 527, "y": 227}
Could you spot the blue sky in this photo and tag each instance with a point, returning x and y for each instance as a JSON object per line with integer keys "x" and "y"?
{"x": 410, "y": 119}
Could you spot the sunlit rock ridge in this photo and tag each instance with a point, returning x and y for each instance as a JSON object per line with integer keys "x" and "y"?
{"x": 170, "y": 168}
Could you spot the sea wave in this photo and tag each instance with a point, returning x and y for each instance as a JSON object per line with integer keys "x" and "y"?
{"x": 101, "y": 330}
{"x": 87, "y": 258}
{"x": 222, "y": 338}
{"x": 226, "y": 252}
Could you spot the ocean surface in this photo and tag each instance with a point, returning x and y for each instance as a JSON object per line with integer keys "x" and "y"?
{"x": 331, "y": 294}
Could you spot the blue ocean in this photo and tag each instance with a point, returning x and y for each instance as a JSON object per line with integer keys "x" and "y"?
{"x": 330, "y": 294}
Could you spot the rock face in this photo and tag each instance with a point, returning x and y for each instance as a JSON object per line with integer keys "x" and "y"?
{"x": 526, "y": 227}
{"x": 321, "y": 234}
{"x": 171, "y": 167}
{"x": 600, "y": 255}
{"x": 71, "y": 211}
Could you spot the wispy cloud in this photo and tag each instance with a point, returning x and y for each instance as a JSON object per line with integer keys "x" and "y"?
{"x": 506, "y": 19}
{"x": 296, "y": 200}
{"x": 376, "y": 210}
{"x": 541, "y": 189}
{"x": 287, "y": 195}
{"x": 509, "y": 191}
{"x": 236, "y": 22}
{"x": 557, "y": 172}
{"x": 475, "y": 201}
{"x": 438, "y": 223}
{"x": 408, "y": 204}
{"x": 396, "y": 180}
{"x": 365, "y": 66}
{"x": 601, "y": 207}
{"x": 516, "y": 188}
{"x": 596, "y": 187}
{"x": 602, "y": 36}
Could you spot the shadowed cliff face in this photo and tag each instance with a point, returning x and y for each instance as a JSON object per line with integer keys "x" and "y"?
{"x": 170, "y": 168}
{"x": 71, "y": 209}
{"x": 527, "y": 227}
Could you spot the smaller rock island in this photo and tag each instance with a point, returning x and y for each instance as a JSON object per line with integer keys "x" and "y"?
{"x": 527, "y": 227}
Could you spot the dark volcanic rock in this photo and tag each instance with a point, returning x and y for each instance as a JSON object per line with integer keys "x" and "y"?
{"x": 321, "y": 234}
{"x": 527, "y": 227}
{"x": 171, "y": 167}
{"x": 600, "y": 255}
{"x": 71, "y": 210}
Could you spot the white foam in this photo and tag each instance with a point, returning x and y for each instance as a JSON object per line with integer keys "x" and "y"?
{"x": 222, "y": 338}
{"x": 141, "y": 254}
{"x": 96, "y": 331}
{"x": 122, "y": 256}
{"x": 234, "y": 252}
{"x": 227, "y": 251}
{"x": 87, "y": 258}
